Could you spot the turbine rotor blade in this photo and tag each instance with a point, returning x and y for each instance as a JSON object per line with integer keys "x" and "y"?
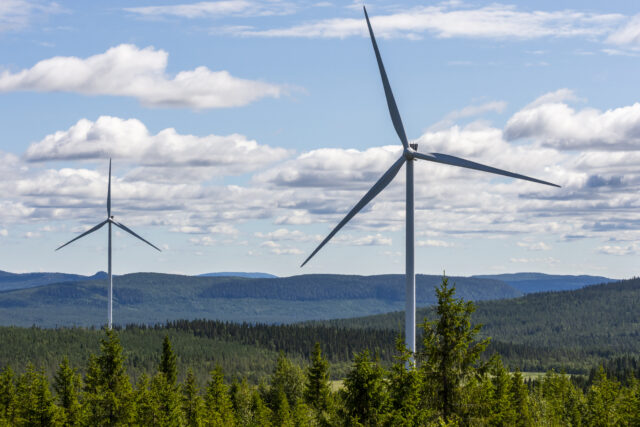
{"x": 373, "y": 192}
{"x": 130, "y": 231}
{"x": 391, "y": 102}
{"x": 109, "y": 192}
{"x": 457, "y": 161}
{"x": 97, "y": 227}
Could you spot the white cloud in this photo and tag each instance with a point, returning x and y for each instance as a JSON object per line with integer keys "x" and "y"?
{"x": 555, "y": 124}
{"x": 368, "y": 240}
{"x": 217, "y": 9}
{"x": 631, "y": 249}
{"x": 455, "y": 20}
{"x": 203, "y": 241}
{"x": 284, "y": 234}
{"x": 17, "y": 14}
{"x": 628, "y": 34}
{"x": 226, "y": 229}
{"x": 469, "y": 111}
{"x": 434, "y": 243}
{"x": 131, "y": 140}
{"x": 4, "y": 232}
{"x": 534, "y": 246}
{"x": 126, "y": 70}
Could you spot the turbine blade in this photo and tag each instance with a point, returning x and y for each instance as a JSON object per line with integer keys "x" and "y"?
{"x": 97, "y": 227}
{"x": 457, "y": 161}
{"x": 391, "y": 102}
{"x": 373, "y": 192}
{"x": 109, "y": 192}
{"x": 130, "y": 231}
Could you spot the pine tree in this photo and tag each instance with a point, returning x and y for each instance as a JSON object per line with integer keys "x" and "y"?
{"x": 191, "y": 401}
{"x": 67, "y": 383}
{"x": 450, "y": 353}
{"x": 35, "y": 405}
{"x": 168, "y": 363}
{"x": 218, "y": 408}
{"x": 317, "y": 391}
{"x": 7, "y": 396}
{"x": 364, "y": 395}
{"x": 108, "y": 391}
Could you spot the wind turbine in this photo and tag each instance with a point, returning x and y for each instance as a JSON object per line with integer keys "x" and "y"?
{"x": 109, "y": 221}
{"x": 409, "y": 154}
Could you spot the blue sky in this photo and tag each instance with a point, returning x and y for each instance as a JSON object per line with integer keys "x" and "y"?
{"x": 242, "y": 131}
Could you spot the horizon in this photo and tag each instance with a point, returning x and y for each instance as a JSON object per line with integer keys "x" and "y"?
{"x": 287, "y": 127}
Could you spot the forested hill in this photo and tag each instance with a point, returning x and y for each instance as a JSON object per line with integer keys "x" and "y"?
{"x": 571, "y": 327}
{"x": 9, "y": 281}
{"x": 149, "y": 298}
{"x": 528, "y": 283}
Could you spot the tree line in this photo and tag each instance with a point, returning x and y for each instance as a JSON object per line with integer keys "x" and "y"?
{"x": 446, "y": 383}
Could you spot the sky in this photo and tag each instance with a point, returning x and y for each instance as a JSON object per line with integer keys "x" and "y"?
{"x": 242, "y": 131}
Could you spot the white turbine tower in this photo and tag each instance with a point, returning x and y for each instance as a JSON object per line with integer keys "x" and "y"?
{"x": 409, "y": 154}
{"x": 109, "y": 221}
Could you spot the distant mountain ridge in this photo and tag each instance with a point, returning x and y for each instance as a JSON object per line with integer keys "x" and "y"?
{"x": 239, "y": 274}
{"x": 10, "y": 281}
{"x": 529, "y": 283}
{"x": 154, "y": 297}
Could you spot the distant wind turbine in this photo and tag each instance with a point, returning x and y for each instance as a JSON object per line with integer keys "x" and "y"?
{"x": 109, "y": 221}
{"x": 409, "y": 154}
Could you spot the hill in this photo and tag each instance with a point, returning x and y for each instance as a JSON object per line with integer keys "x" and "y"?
{"x": 148, "y": 298}
{"x": 528, "y": 283}
{"x": 239, "y": 274}
{"x": 10, "y": 281}
{"x": 570, "y": 329}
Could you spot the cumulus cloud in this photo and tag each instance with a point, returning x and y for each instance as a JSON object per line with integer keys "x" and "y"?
{"x": 454, "y": 19}
{"x": 130, "y": 139}
{"x": 127, "y": 70}
{"x": 217, "y": 9}
{"x": 554, "y": 123}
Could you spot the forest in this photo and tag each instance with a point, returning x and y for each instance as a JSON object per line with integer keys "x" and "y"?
{"x": 450, "y": 382}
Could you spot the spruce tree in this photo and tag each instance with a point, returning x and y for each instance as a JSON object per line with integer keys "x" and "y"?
{"x": 7, "y": 396}
{"x": 520, "y": 400}
{"x": 35, "y": 405}
{"x": 403, "y": 384}
{"x": 288, "y": 378}
{"x": 167, "y": 401}
{"x": 261, "y": 414}
{"x": 191, "y": 401}
{"x": 108, "y": 391}
{"x": 241, "y": 399}
{"x": 364, "y": 395}
{"x": 146, "y": 412}
{"x": 218, "y": 408}
{"x": 502, "y": 412}
{"x": 602, "y": 401}
{"x": 281, "y": 411}
{"x": 450, "y": 354}
{"x": 67, "y": 383}
{"x": 317, "y": 391}
{"x": 168, "y": 362}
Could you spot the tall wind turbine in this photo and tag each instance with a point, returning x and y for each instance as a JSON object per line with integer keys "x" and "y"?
{"x": 409, "y": 154}
{"x": 109, "y": 221}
